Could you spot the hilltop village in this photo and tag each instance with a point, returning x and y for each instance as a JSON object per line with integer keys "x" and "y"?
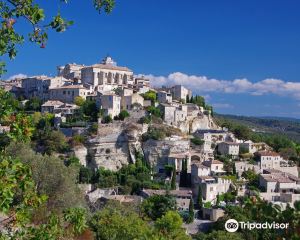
{"x": 117, "y": 119}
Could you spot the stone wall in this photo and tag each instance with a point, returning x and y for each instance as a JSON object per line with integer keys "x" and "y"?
{"x": 115, "y": 145}
{"x": 156, "y": 152}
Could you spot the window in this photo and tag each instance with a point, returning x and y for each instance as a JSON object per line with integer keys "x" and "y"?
{"x": 211, "y": 189}
{"x": 64, "y": 92}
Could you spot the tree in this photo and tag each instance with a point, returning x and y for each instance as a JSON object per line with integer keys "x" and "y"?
{"x": 18, "y": 195}
{"x": 29, "y": 10}
{"x": 199, "y": 197}
{"x": 150, "y": 95}
{"x": 191, "y": 212}
{"x": 169, "y": 227}
{"x": 156, "y": 206}
{"x": 115, "y": 222}
{"x": 21, "y": 127}
{"x": 173, "y": 179}
{"x": 79, "y": 101}
{"x": 8, "y": 104}
{"x": 33, "y": 104}
{"x": 52, "y": 178}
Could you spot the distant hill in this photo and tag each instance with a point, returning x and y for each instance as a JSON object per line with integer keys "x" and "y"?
{"x": 286, "y": 126}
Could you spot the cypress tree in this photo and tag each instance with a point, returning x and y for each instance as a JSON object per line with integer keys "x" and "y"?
{"x": 173, "y": 180}
{"x": 191, "y": 212}
{"x": 199, "y": 198}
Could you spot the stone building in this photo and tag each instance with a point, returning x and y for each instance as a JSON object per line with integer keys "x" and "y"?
{"x": 164, "y": 97}
{"x": 128, "y": 102}
{"x": 269, "y": 159}
{"x": 68, "y": 93}
{"x": 70, "y": 71}
{"x": 111, "y": 103}
{"x": 106, "y": 75}
{"x": 179, "y": 92}
{"x": 39, "y": 86}
{"x": 228, "y": 148}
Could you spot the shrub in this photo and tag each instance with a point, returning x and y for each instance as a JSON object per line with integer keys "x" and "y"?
{"x": 107, "y": 119}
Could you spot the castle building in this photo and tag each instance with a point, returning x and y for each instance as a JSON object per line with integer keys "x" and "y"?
{"x": 106, "y": 75}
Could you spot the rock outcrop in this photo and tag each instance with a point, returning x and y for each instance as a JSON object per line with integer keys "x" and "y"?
{"x": 115, "y": 145}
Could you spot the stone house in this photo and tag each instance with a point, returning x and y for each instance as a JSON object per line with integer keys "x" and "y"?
{"x": 127, "y": 102}
{"x": 252, "y": 147}
{"x": 70, "y": 71}
{"x": 213, "y": 186}
{"x": 111, "y": 103}
{"x": 164, "y": 97}
{"x": 68, "y": 93}
{"x": 269, "y": 159}
{"x": 179, "y": 92}
{"x": 173, "y": 114}
{"x": 216, "y": 167}
{"x": 228, "y": 148}
{"x": 39, "y": 86}
{"x": 50, "y": 106}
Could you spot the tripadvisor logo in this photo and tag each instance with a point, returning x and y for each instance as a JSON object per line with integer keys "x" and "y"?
{"x": 231, "y": 225}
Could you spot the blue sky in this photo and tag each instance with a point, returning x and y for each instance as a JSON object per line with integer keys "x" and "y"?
{"x": 216, "y": 42}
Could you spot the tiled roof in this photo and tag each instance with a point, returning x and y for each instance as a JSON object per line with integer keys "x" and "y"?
{"x": 268, "y": 153}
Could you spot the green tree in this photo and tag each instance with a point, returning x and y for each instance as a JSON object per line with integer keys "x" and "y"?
{"x": 158, "y": 205}
{"x": 173, "y": 179}
{"x": 8, "y": 104}
{"x": 18, "y": 195}
{"x": 199, "y": 197}
{"x": 191, "y": 212}
{"x": 13, "y": 11}
{"x": 169, "y": 227}
{"x": 52, "y": 178}
{"x": 33, "y": 104}
{"x": 21, "y": 127}
{"x": 115, "y": 222}
{"x": 150, "y": 95}
{"x": 79, "y": 101}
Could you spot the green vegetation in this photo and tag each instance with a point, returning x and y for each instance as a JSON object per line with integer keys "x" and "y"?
{"x": 150, "y": 95}
{"x": 191, "y": 212}
{"x": 277, "y": 140}
{"x": 154, "y": 111}
{"x": 257, "y": 210}
{"x": 156, "y": 206}
{"x": 130, "y": 179}
{"x": 197, "y": 141}
{"x": 33, "y": 104}
{"x": 160, "y": 132}
{"x": 200, "y": 101}
{"x": 122, "y": 115}
{"x": 106, "y": 225}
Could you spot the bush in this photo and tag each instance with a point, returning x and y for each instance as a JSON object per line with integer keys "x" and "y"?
{"x": 107, "y": 119}
{"x": 123, "y": 114}
{"x": 197, "y": 141}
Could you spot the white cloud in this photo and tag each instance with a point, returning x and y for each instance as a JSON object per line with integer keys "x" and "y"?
{"x": 205, "y": 85}
{"x": 20, "y": 75}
